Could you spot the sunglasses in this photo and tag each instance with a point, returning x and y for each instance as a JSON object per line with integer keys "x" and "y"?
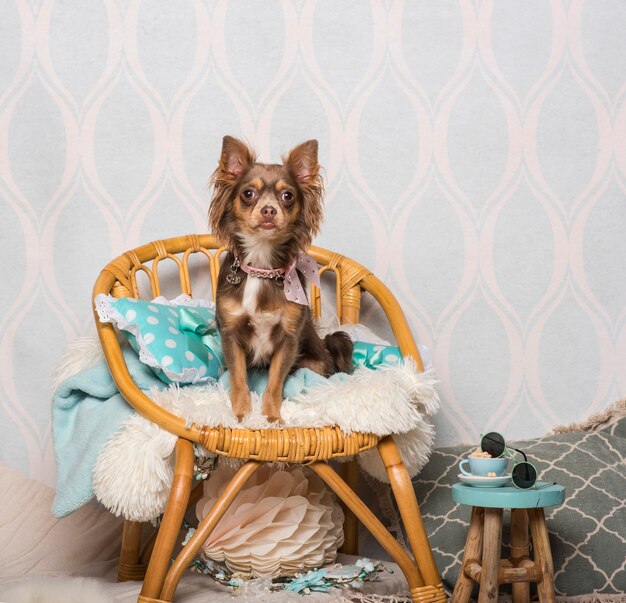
{"x": 523, "y": 474}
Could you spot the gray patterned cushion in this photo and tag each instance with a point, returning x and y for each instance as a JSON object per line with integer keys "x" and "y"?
{"x": 587, "y": 533}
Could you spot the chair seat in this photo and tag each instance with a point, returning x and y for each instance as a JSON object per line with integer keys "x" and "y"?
{"x": 289, "y": 445}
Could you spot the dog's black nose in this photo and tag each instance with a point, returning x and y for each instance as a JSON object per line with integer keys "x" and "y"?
{"x": 268, "y": 211}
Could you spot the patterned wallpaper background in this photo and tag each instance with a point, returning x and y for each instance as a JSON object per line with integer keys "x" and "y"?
{"x": 475, "y": 159}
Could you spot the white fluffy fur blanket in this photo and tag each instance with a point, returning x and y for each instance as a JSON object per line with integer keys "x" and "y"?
{"x": 134, "y": 470}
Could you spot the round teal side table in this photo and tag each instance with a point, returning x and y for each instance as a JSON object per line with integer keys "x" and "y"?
{"x": 481, "y": 558}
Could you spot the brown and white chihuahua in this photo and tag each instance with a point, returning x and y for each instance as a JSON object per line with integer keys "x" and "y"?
{"x": 266, "y": 216}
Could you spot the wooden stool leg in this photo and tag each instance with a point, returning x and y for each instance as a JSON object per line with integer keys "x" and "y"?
{"x": 492, "y": 544}
{"x": 473, "y": 548}
{"x": 404, "y": 494}
{"x": 520, "y": 552}
{"x": 349, "y": 472}
{"x": 543, "y": 555}
{"x": 171, "y": 522}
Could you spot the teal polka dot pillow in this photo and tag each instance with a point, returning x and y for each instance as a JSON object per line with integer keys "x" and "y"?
{"x": 177, "y": 339}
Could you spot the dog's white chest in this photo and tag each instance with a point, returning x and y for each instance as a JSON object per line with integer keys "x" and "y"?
{"x": 261, "y": 344}
{"x": 251, "y": 295}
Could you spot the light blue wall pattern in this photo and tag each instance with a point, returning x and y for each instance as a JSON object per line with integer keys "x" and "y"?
{"x": 475, "y": 159}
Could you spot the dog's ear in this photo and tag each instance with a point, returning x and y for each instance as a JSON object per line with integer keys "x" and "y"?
{"x": 301, "y": 161}
{"x": 236, "y": 158}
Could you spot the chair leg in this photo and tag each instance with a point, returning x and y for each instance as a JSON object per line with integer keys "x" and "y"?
{"x": 171, "y": 522}
{"x": 148, "y": 547}
{"x": 130, "y": 566}
{"x": 349, "y": 472}
{"x": 406, "y": 500}
{"x": 208, "y": 523}
{"x": 492, "y": 542}
{"x": 473, "y": 548}
{"x": 543, "y": 555}
{"x": 371, "y": 522}
{"x": 144, "y": 558}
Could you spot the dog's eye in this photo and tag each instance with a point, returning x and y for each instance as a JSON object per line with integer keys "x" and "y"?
{"x": 287, "y": 197}
{"x": 248, "y": 194}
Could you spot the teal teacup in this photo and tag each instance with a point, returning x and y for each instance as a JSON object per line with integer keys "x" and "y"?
{"x": 483, "y": 466}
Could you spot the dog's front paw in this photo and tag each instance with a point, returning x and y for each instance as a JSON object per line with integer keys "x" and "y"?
{"x": 271, "y": 407}
{"x": 240, "y": 399}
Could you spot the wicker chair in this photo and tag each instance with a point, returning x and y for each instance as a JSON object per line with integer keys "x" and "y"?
{"x": 294, "y": 445}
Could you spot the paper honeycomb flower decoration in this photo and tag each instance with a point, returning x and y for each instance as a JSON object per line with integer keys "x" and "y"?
{"x": 283, "y": 522}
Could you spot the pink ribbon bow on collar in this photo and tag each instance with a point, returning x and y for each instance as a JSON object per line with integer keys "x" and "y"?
{"x": 293, "y": 287}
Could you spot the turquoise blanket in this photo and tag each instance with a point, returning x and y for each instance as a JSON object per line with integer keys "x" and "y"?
{"x": 87, "y": 409}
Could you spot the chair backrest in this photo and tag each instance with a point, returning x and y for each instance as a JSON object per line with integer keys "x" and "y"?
{"x": 121, "y": 278}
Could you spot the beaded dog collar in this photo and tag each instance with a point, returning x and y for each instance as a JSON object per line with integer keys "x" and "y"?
{"x": 284, "y": 277}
